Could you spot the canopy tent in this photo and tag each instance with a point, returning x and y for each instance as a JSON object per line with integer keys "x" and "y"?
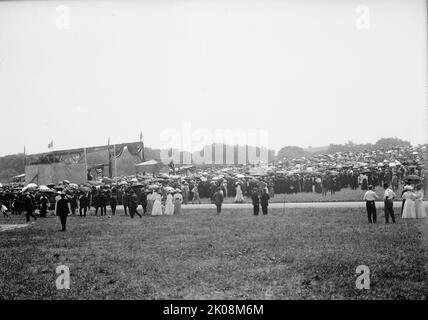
{"x": 151, "y": 166}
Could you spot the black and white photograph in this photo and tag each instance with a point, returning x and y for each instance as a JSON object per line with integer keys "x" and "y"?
{"x": 235, "y": 151}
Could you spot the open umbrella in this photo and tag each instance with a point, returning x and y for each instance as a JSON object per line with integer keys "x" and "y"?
{"x": 45, "y": 189}
{"x": 85, "y": 189}
{"x": 30, "y": 186}
{"x": 413, "y": 177}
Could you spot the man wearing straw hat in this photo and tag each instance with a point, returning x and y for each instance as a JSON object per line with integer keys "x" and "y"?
{"x": 388, "y": 197}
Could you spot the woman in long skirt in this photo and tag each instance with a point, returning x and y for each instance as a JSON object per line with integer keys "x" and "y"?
{"x": 157, "y": 205}
{"x": 150, "y": 202}
{"x": 409, "y": 206}
{"x": 239, "y": 196}
{"x": 169, "y": 206}
{"x": 178, "y": 199}
{"x": 419, "y": 205}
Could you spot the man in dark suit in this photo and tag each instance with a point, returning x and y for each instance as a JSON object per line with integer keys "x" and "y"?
{"x": 218, "y": 199}
{"x": 29, "y": 206}
{"x": 62, "y": 210}
{"x": 256, "y": 202}
{"x": 143, "y": 200}
{"x": 264, "y": 202}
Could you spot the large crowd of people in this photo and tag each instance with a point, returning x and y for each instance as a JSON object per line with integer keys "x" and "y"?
{"x": 163, "y": 194}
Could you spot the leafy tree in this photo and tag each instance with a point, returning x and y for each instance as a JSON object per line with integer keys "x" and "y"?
{"x": 291, "y": 152}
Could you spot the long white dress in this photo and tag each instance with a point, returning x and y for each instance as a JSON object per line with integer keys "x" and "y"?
{"x": 157, "y": 206}
{"x": 419, "y": 205}
{"x": 178, "y": 199}
{"x": 239, "y": 197}
{"x": 409, "y": 206}
{"x": 150, "y": 201}
{"x": 169, "y": 206}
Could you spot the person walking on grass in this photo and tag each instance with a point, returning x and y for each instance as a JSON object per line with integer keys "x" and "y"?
{"x": 388, "y": 197}
{"x": 3, "y": 210}
{"x": 264, "y": 201}
{"x": 370, "y": 197}
{"x": 218, "y": 199}
{"x": 62, "y": 210}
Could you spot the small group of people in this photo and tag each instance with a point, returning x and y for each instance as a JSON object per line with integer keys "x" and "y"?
{"x": 412, "y": 204}
{"x": 259, "y": 197}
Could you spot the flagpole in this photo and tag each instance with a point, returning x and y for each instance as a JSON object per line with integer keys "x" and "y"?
{"x": 86, "y": 164}
{"x": 115, "y": 161}
{"x": 142, "y": 148}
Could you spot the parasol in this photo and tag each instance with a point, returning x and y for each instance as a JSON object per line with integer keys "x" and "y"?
{"x": 85, "y": 189}
{"x": 30, "y": 186}
{"x": 413, "y": 177}
{"x": 45, "y": 189}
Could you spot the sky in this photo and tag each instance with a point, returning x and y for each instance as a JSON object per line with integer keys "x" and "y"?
{"x": 305, "y": 73}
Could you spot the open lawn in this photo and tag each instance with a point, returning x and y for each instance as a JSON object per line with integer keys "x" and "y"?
{"x": 296, "y": 254}
{"x": 343, "y": 195}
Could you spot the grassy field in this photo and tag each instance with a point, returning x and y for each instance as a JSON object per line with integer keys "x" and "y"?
{"x": 296, "y": 254}
{"x": 342, "y": 195}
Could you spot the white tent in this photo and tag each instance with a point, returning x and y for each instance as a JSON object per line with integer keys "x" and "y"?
{"x": 151, "y": 166}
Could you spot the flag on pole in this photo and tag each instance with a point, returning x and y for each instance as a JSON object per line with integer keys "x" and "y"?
{"x": 141, "y": 135}
{"x": 50, "y": 145}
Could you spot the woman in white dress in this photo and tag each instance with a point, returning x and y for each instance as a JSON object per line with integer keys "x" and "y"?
{"x": 419, "y": 205}
{"x": 409, "y": 206}
{"x": 239, "y": 197}
{"x": 169, "y": 206}
{"x": 157, "y": 205}
{"x": 178, "y": 199}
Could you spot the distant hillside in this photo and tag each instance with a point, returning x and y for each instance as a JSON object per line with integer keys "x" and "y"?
{"x": 316, "y": 149}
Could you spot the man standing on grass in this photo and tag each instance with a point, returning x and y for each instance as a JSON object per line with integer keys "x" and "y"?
{"x": 388, "y": 197}
{"x": 29, "y": 207}
{"x": 218, "y": 199}
{"x": 256, "y": 202}
{"x": 62, "y": 210}
{"x": 370, "y": 196}
{"x": 264, "y": 202}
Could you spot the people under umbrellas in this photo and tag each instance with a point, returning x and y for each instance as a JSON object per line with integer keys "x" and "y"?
{"x": 218, "y": 199}
{"x": 62, "y": 210}
{"x": 388, "y": 197}
{"x": 264, "y": 201}
{"x": 370, "y": 197}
